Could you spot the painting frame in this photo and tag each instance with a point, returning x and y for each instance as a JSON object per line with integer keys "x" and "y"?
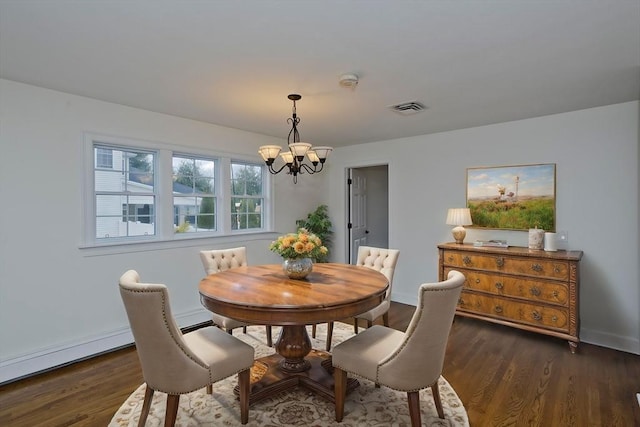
{"x": 517, "y": 197}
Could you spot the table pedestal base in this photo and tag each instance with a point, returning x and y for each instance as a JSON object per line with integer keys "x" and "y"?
{"x": 268, "y": 379}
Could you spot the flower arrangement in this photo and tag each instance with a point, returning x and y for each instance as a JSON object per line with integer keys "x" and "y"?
{"x": 302, "y": 244}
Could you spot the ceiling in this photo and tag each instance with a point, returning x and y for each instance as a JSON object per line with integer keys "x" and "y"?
{"x": 233, "y": 63}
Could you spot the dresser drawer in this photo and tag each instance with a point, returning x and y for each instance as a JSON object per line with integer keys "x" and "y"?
{"x": 521, "y": 312}
{"x": 534, "y": 267}
{"x": 529, "y": 289}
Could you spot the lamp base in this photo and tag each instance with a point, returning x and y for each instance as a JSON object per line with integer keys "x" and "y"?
{"x": 459, "y": 234}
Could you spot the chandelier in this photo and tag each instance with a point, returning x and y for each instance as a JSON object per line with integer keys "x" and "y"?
{"x": 295, "y": 155}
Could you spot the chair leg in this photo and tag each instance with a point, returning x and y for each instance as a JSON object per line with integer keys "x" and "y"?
{"x": 329, "y": 335}
{"x": 355, "y": 325}
{"x": 414, "y": 408}
{"x": 230, "y": 331}
{"x": 369, "y": 324}
{"x": 269, "y": 339}
{"x": 436, "y": 398}
{"x": 313, "y": 330}
{"x": 244, "y": 329}
{"x": 244, "y": 384}
{"x": 340, "y": 391}
{"x": 209, "y": 389}
{"x": 172, "y": 410}
{"x": 385, "y": 319}
{"x": 146, "y": 406}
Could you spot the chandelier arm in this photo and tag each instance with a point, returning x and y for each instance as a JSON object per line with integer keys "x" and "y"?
{"x": 273, "y": 171}
{"x": 308, "y": 168}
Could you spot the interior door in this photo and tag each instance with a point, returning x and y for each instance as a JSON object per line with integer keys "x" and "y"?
{"x": 357, "y": 212}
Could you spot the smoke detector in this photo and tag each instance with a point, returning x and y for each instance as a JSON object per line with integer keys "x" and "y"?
{"x": 349, "y": 80}
{"x": 408, "y": 108}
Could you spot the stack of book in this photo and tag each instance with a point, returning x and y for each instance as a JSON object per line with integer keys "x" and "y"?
{"x": 491, "y": 243}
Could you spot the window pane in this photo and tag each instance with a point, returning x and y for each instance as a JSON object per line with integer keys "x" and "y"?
{"x": 192, "y": 214}
{"x": 192, "y": 175}
{"x": 123, "y": 216}
{"x": 246, "y": 213}
{"x": 246, "y": 179}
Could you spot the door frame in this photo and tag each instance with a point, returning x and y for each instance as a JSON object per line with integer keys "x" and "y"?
{"x": 347, "y": 195}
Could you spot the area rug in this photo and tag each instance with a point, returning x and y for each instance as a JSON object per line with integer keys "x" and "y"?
{"x": 365, "y": 406}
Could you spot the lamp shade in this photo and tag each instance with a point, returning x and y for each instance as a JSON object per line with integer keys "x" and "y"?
{"x": 459, "y": 216}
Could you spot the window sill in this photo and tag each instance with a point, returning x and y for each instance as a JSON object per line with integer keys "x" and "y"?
{"x": 99, "y": 249}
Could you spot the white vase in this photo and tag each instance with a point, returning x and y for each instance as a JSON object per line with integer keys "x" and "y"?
{"x": 297, "y": 268}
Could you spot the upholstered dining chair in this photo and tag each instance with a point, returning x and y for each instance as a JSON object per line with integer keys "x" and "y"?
{"x": 404, "y": 361}
{"x": 384, "y": 261}
{"x": 174, "y": 363}
{"x": 217, "y": 260}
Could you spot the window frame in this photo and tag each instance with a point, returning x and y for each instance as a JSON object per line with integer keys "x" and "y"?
{"x": 163, "y": 170}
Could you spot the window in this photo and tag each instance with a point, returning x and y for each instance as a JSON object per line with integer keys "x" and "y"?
{"x": 125, "y": 193}
{"x": 194, "y": 201}
{"x": 247, "y": 196}
{"x": 142, "y": 191}
{"x": 104, "y": 158}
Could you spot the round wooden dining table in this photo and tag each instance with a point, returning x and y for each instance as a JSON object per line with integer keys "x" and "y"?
{"x": 264, "y": 295}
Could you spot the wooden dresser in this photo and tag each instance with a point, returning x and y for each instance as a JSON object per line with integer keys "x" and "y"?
{"x": 528, "y": 289}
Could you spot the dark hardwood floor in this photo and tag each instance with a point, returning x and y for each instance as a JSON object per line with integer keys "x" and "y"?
{"x": 504, "y": 377}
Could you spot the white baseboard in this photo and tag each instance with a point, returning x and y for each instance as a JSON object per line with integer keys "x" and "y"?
{"x": 615, "y": 342}
{"x": 28, "y": 364}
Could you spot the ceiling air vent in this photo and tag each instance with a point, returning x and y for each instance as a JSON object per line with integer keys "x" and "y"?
{"x": 408, "y": 108}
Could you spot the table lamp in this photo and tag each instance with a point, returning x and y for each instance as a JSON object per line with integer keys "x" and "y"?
{"x": 459, "y": 217}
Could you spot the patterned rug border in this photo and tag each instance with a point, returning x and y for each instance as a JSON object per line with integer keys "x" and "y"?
{"x": 367, "y": 405}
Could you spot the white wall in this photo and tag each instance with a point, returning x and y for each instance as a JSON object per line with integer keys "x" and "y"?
{"x": 58, "y": 301}
{"x": 596, "y": 157}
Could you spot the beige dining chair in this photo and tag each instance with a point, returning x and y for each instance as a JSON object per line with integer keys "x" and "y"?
{"x": 384, "y": 261}
{"x": 217, "y": 260}
{"x": 404, "y": 361}
{"x": 176, "y": 363}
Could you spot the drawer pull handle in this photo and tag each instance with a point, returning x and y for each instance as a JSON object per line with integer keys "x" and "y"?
{"x": 556, "y": 269}
{"x": 536, "y": 267}
{"x": 535, "y": 291}
{"x": 498, "y": 309}
{"x": 477, "y": 280}
{"x": 500, "y": 262}
{"x": 466, "y": 260}
{"x": 499, "y": 285}
{"x": 460, "y": 301}
{"x": 450, "y": 259}
{"x": 554, "y": 319}
{"x": 536, "y": 316}
{"x": 555, "y": 294}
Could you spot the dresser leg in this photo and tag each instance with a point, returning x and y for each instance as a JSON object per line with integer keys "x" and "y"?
{"x": 573, "y": 346}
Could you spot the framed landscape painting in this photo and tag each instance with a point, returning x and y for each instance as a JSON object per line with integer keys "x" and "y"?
{"x": 513, "y": 197}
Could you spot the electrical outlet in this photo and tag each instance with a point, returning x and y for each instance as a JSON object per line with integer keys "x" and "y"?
{"x": 563, "y": 236}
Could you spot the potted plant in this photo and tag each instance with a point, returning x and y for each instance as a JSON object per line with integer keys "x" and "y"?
{"x": 318, "y": 223}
